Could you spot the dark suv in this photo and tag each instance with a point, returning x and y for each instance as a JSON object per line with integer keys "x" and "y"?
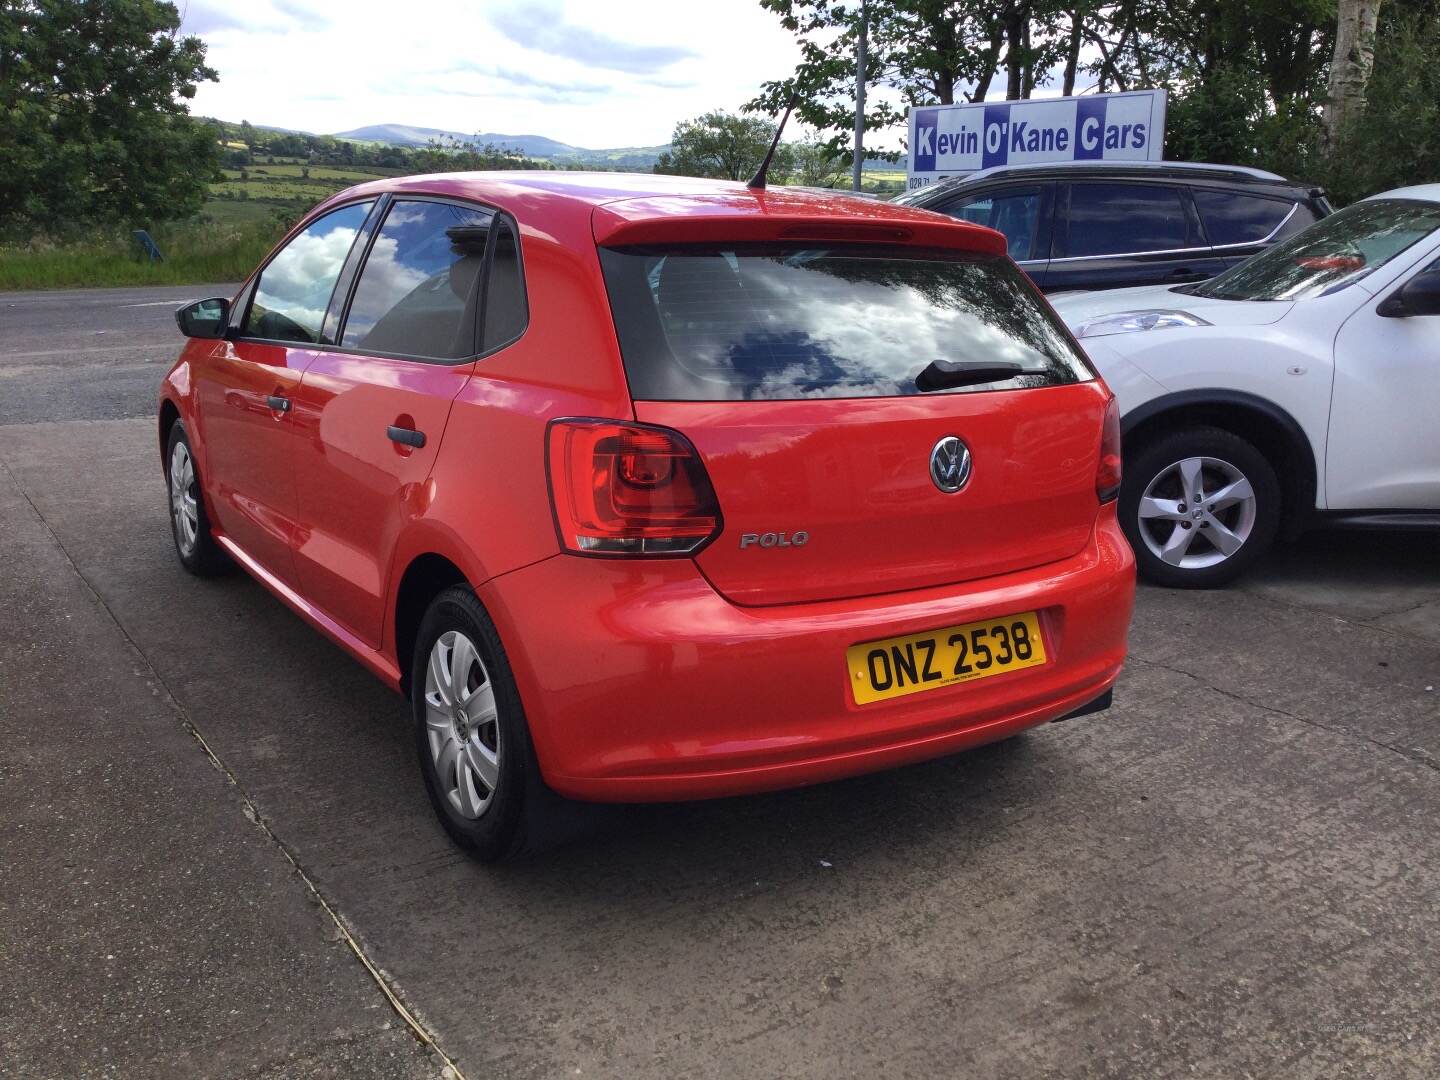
{"x": 1096, "y": 225}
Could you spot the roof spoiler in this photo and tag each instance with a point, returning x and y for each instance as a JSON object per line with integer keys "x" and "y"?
{"x": 750, "y": 217}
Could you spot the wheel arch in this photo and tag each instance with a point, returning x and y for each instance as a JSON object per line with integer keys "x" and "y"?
{"x": 425, "y": 577}
{"x": 1271, "y": 429}
{"x": 169, "y": 414}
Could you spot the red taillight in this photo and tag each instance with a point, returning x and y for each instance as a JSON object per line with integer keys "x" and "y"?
{"x": 628, "y": 489}
{"x": 1107, "y": 476}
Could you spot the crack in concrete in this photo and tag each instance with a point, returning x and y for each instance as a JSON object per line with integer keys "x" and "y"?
{"x": 1401, "y": 611}
{"x": 1362, "y": 624}
{"x": 1414, "y": 756}
{"x": 391, "y": 993}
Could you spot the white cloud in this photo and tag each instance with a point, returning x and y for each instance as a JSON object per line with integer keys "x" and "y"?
{"x": 622, "y": 73}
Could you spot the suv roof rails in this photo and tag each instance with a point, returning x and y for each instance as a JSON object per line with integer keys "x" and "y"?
{"x": 1198, "y": 166}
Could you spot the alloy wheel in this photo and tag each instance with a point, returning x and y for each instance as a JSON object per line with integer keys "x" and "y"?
{"x": 1197, "y": 512}
{"x": 462, "y": 724}
{"x": 184, "y": 493}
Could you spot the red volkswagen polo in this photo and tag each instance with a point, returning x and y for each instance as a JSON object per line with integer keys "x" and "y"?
{"x": 643, "y": 488}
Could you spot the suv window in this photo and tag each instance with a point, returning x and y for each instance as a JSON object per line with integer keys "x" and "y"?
{"x": 775, "y": 323}
{"x": 505, "y": 309}
{"x": 1124, "y": 219}
{"x": 418, "y": 292}
{"x": 1014, "y": 213}
{"x": 294, "y": 288}
{"x": 1239, "y": 219}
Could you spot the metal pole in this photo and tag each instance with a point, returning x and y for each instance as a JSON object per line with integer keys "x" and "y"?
{"x": 860, "y": 96}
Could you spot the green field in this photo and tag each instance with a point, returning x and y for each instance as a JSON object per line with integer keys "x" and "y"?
{"x": 275, "y": 189}
{"x": 194, "y": 252}
{"x": 246, "y": 213}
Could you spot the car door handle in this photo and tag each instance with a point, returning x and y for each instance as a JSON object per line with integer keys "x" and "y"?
{"x": 406, "y": 436}
{"x": 278, "y": 403}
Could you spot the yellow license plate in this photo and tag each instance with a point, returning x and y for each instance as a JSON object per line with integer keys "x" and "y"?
{"x": 895, "y": 667}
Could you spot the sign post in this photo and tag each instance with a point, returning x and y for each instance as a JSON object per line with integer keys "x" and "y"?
{"x": 952, "y": 140}
{"x": 148, "y": 247}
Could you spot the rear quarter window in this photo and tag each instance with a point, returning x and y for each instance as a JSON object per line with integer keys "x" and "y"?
{"x": 1230, "y": 218}
{"x": 768, "y": 323}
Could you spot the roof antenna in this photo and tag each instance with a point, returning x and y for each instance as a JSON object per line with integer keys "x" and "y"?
{"x": 757, "y": 182}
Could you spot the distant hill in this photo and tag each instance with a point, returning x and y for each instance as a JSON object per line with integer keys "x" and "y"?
{"x": 532, "y": 146}
{"x": 398, "y": 134}
{"x": 538, "y": 147}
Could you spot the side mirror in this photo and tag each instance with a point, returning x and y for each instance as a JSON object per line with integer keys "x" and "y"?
{"x": 1418, "y": 296}
{"x": 204, "y": 318}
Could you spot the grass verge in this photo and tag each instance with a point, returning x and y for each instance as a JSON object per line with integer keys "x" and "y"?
{"x": 194, "y": 253}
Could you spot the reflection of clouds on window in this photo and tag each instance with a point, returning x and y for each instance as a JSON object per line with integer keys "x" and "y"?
{"x": 825, "y": 324}
{"x": 294, "y": 289}
{"x": 297, "y": 283}
{"x": 405, "y": 214}
{"x": 385, "y": 276}
{"x": 418, "y": 290}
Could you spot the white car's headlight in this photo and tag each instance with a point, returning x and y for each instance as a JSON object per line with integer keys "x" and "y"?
{"x": 1128, "y": 322}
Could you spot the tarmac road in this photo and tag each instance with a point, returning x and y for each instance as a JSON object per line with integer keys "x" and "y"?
{"x": 89, "y": 354}
{"x": 1234, "y": 872}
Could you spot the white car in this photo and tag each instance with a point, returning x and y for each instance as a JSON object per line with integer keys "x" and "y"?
{"x": 1301, "y": 387}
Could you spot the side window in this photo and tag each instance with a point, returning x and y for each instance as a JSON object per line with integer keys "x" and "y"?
{"x": 1016, "y": 214}
{"x": 506, "y": 311}
{"x": 294, "y": 289}
{"x": 1239, "y": 219}
{"x": 419, "y": 290}
{"x": 1125, "y": 219}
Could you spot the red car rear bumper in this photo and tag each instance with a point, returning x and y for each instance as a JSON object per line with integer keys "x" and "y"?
{"x": 641, "y": 683}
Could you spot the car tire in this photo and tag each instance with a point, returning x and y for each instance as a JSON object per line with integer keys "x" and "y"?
{"x": 189, "y": 523}
{"x": 1182, "y": 545}
{"x": 475, "y": 752}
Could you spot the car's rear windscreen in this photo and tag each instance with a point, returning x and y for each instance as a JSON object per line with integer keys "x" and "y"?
{"x": 771, "y": 323}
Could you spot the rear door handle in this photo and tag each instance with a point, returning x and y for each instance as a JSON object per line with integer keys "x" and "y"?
{"x": 279, "y": 404}
{"x": 407, "y": 436}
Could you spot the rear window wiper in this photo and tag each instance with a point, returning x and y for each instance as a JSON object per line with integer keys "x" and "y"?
{"x": 947, "y": 375}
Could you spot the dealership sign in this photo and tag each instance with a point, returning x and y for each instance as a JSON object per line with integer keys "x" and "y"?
{"x": 946, "y": 140}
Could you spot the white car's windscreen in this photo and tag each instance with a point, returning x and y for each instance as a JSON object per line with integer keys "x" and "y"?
{"x": 1329, "y": 255}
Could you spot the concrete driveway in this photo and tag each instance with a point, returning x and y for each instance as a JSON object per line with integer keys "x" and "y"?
{"x": 216, "y": 858}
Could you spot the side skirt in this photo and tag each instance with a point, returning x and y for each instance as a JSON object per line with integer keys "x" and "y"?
{"x": 379, "y": 664}
{"x": 1400, "y": 520}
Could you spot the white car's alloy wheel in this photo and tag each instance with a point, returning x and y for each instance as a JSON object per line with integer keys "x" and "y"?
{"x": 1197, "y": 513}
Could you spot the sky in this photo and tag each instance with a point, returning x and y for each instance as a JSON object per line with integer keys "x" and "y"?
{"x": 602, "y": 74}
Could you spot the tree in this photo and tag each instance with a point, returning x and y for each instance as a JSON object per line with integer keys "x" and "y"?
{"x": 1242, "y": 66}
{"x": 1395, "y": 139}
{"x": 94, "y": 128}
{"x": 723, "y": 146}
{"x": 1182, "y": 44}
{"x": 814, "y": 164}
{"x": 931, "y": 51}
{"x": 449, "y": 154}
{"x": 1246, "y": 77}
{"x": 1351, "y": 65}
